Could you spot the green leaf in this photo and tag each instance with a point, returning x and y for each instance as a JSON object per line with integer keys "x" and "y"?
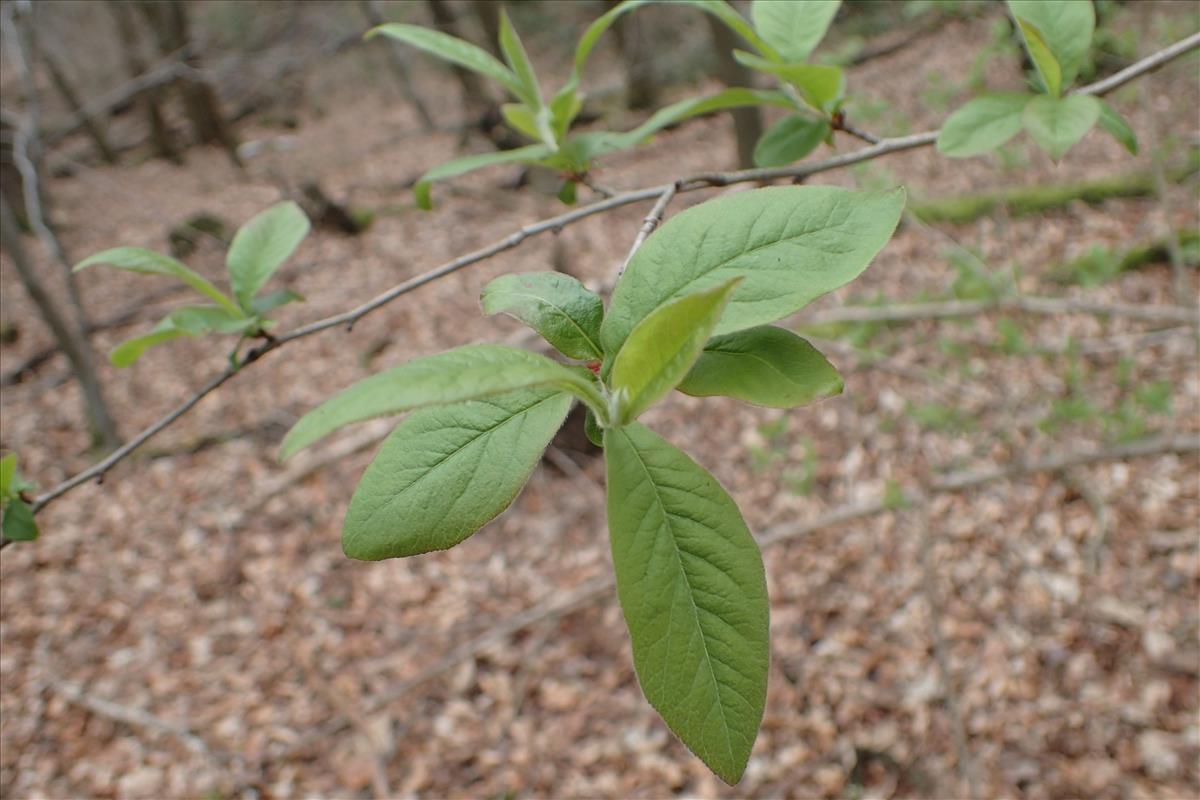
{"x": 593, "y": 33}
{"x": 794, "y": 29}
{"x": 696, "y": 106}
{"x": 8, "y": 474}
{"x": 567, "y": 193}
{"x": 1066, "y": 27}
{"x": 465, "y": 373}
{"x": 148, "y": 262}
{"x": 273, "y": 300}
{"x": 792, "y": 244}
{"x": 790, "y": 139}
{"x": 821, "y": 86}
{"x": 529, "y": 154}
{"x": 261, "y": 246}
{"x": 198, "y": 320}
{"x": 1117, "y": 127}
{"x": 766, "y": 366}
{"x": 518, "y": 59}
{"x": 521, "y": 118}
{"x": 592, "y": 429}
{"x": 452, "y": 49}
{"x": 1047, "y": 65}
{"x": 19, "y": 524}
{"x": 736, "y": 23}
{"x": 565, "y": 312}
{"x": 692, "y": 587}
{"x": 129, "y": 351}
{"x": 445, "y": 472}
{"x": 662, "y": 348}
{"x": 982, "y": 125}
{"x": 563, "y": 109}
{"x": 1057, "y": 123}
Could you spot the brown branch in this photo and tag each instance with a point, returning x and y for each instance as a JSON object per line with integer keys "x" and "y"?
{"x": 651, "y": 221}
{"x": 693, "y": 183}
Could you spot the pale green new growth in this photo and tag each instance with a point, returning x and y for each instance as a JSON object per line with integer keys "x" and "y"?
{"x": 1057, "y": 123}
{"x": 983, "y": 124}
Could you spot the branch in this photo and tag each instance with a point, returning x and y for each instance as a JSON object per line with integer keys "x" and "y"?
{"x": 651, "y": 221}
{"x": 557, "y": 223}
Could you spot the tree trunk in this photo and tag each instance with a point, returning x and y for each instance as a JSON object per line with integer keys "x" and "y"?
{"x": 160, "y": 133}
{"x": 747, "y": 122}
{"x": 640, "y": 89}
{"x": 170, "y": 22}
{"x": 62, "y": 83}
{"x": 374, "y": 15}
{"x": 78, "y": 352}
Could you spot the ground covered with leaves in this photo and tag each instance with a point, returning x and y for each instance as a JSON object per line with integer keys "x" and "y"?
{"x": 191, "y": 628}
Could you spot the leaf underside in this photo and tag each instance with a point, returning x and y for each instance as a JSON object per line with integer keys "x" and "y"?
{"x": 692, "y": 587}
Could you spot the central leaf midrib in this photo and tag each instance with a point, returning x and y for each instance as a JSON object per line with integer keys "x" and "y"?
{"x": 708, "y": 660}
{"x": 485, "y": 432}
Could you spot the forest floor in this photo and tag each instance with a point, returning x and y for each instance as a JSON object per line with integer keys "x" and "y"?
{"x": 191, "y": 627}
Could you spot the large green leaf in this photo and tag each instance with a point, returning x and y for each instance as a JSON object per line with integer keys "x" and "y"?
{"x": 790, "y": 139}
{"x": 791, "y": 244}
{"x": 18, "y": 523}
{"x": 1066, "y": 26}
{"x": 261, "y": 246}
{"x": 530, "y": 154}
{"x": 691, "y": 583}
{"x": 1047, "y": 65}
{"x": 793, "y": 28}
{"x": 662, "y": 348}
{"x": 1057, "y": 123}
{"x": 1117, "y": 127}
{"x": 465, "y": 373}
{"x": 983, "y": 124}
{"x": 148, "y": 262}
{"x": 821, "y": 86}
{"x": 766, "y": 366}
{"x": 453, "y": 50}
{"x": 445, "y": 472}
{"x": 564, "y": 311}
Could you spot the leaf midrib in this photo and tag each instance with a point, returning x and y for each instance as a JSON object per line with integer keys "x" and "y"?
{"x": 708, "y": 660}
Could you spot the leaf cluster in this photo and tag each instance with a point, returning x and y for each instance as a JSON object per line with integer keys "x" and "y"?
{"x": 258, "y": 249}
{"x": 692, "y": 312}
{"x": 1057, "y": 35}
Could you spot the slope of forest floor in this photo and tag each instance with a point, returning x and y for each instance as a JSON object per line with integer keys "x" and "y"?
{"x": 191, "y": 628}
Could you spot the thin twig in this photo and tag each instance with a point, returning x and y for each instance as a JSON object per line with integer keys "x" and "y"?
{"x": 649, "y": 223}
{"x": 693, "y": 183}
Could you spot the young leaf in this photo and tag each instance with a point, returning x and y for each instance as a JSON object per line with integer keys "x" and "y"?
{"x": 792, "y": 244}
{"x": 445, "y": 472}
{"x": 18, "y": 524}
{"x": 592, "y": 429}
{"x": 1057, "y": 123}
{"x": 273, "y": 300}
{"x": 129, "y": 351}
{"x": 530, "y": 154}
{"x": 8, "y": 474}
{"x": 794, "y": 29}
{"x": 696, "y": 106}
{"x": 148, "y": 262}
{"x": 790, "y": 139}
{"x": 452, "y": 49}
{"x": 692, "y": 587}
{"x": 261, "y": 246}
{"x": 1065, "y": 26}
{"x": 521, "y": 118}
{"x": 198, "y": 320}
{"x": 1047, "y": 65}
{"x": 662, "y": 348}
{"x": 465, "y": 373}
{"x": 518, "y": 59}
{"x": 766, "y": 366}
{"x": 565, "y": 312}
{"x": 821, "y": 86}
{"x": 1117, "y": 127}
{"x": 982, "y": 125}
{"x": 728, "y": 15}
